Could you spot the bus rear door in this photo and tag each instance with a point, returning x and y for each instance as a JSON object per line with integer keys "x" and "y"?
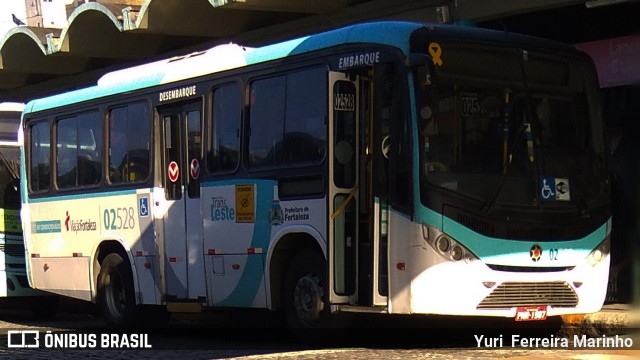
{"x": 182, "y": 153}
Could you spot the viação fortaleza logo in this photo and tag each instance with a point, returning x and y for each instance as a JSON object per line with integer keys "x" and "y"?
{"x": 79, "y": 225}
{"x": 35, "y": 339}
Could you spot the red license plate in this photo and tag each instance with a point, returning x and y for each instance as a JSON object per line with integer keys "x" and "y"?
{"x": 531, "y": 313}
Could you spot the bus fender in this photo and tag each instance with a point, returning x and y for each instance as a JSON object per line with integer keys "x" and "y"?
{"x": 280, "y": 235}
{"x": 94, "y": 275}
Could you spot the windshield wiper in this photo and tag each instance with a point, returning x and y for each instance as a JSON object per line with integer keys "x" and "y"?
{"x": 507, "y": 160}
{"x": 525, "y": 126}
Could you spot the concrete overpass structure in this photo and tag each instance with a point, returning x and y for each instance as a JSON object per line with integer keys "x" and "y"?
{"x": 110, "y": 34}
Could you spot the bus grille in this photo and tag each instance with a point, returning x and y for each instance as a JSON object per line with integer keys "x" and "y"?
{"x": 529, "y": 268}
{"x": 16, "y": 250}
{"x": 513, "y": 294}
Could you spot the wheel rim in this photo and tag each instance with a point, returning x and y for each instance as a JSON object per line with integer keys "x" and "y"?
{"x": 115, "y": 295}
{"x": 308, "y": 299}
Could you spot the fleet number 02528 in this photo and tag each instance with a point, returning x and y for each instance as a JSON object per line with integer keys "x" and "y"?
{"x": 119, "y": 218}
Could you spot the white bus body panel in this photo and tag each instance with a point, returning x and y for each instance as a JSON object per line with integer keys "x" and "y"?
{"x": 63, "y": 235}
{"x": 68, "y": 276}
{"x": 457, "y": 288}
{"x": 431, "y": 284}
{"x": 242, "y": 218}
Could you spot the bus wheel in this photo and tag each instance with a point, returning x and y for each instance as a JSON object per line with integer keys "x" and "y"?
{"x": 115, "y": 292}
{"x": 304, "y": 297}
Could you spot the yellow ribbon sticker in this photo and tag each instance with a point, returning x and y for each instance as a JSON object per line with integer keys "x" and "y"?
{"x": 435, "y": 51}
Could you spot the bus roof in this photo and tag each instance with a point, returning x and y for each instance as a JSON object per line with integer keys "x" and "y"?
{"x": 225, "y": 57}
{"x": 390, "y": 33}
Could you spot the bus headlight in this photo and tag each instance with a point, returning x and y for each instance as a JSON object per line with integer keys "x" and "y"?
{"x": 443, "y": 243}
{"x": 447, "y": 246}
{"x": 457, "y": 253}
{"x": 599, "y": 253}
{"x": 452, "y": 250}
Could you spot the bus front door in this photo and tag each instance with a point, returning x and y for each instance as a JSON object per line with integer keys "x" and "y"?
{"x": 344, "y": 151}
{"x": 182, "y": 231}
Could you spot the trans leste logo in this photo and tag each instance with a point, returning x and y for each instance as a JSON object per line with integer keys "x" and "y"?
{"x": 221, "y": 211}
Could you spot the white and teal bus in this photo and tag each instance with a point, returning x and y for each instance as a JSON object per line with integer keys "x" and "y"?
{"x": 13, "y": 277}
{"x": 392, "y": 167}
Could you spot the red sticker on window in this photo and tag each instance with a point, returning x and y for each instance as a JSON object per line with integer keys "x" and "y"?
{"x": 173, "y": 171}
{"x": 195, "y": 169}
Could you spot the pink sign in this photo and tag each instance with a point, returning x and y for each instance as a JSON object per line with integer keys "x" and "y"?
{"x": 617, "y": 60}
{"x": 195, "y": 169}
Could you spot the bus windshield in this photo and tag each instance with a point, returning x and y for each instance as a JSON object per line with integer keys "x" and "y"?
{"x": 524, "y": 131}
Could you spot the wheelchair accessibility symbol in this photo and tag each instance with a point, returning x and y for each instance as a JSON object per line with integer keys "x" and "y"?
{"x": 546, "y": 192}
{"x": 143, "y": 206}
{"x": 554, "y": 189}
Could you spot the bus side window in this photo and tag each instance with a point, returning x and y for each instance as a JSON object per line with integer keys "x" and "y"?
{"x": 305, "y": 132}
{"x": 66, "y": 153}
{"x": 224, "y": 148}
{"x": 129, "y": 128}
{"x": 288, "y": 119}
{"x": 77, "y": 153}
{"x": 40, "y": 161}
{"x": 266, "y": 122}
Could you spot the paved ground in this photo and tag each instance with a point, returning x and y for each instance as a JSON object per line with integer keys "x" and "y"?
{"x": 406, "y": 340}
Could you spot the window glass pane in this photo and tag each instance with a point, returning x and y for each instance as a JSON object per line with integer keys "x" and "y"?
{"x": 66, "y": 153}
{"x": 344, "y": 137}
{"x": 267, "y": 121}
{"x": 79, "y": 150}
{"x": 194, "y": 152}
{"x": 225, "y": 139}
{"x": 89, "y": 148}
{"x": 40, "y": 162}
{"x": 194, "y": 134}
{"x": 129, "y": 143}
{"x": 305, "y": 127}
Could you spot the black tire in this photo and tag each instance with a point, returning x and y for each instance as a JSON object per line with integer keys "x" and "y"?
{"x": 44, "y": 307}
{"x": 116, "y": 296}
{"x": 304, "y": 294}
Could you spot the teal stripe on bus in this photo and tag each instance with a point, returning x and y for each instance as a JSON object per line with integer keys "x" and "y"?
{"x": 87, "y": 195}
{"x": 396, "y": 34}
{"x": 253, "y": 273}
{"x": 486, "y": 248}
